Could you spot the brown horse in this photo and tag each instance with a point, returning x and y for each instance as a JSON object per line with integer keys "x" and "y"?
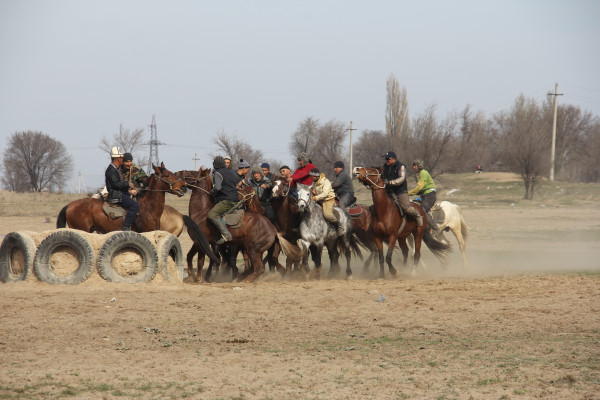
{"x": 256, "y": 233}
{"x": 87, "y": 214}
{"x": 390, "y": 225}
{"x": 362, "y": 226}
{"x": 171, "y": 221}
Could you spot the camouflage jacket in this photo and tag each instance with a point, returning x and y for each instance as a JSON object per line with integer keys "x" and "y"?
{"x": 135, "y": 175}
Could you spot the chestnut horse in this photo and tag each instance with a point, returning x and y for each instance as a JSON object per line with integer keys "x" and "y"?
{"x": 391, "y": 225}
{"x": 256, "y": 234}
{"x": 87, "y": 214}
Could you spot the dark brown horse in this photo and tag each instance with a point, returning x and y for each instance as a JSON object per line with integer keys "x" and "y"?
{"x": 390, "y": 225}
{"x": 256, "y": 233}
{"x": 87, "y": 214}
{"x": 362, "y": 226}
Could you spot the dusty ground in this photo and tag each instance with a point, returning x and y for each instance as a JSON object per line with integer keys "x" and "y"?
{"x": 521, "y": 322}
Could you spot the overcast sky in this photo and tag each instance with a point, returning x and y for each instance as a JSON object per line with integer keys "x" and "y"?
{"x": 77, "y": 69}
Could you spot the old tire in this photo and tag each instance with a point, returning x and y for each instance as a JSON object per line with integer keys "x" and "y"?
{"x": 76, "y": 242}
{"x": 16, "y": 257}
{"x": 170, "y": 247}
{"x": 127, "y": 241}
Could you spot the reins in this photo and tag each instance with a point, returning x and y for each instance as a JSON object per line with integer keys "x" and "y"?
{"x": 371, "y": 182}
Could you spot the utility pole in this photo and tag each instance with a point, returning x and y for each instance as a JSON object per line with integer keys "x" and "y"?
{"x": 80, "y": 182}
{"x": 350, "y": 129}
{"x": 195, "y": 159}
{"x": 553, "y": 150}
{"x": 153, "y": 143}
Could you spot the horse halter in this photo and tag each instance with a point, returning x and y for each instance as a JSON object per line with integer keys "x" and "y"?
{"x": 197, "y": 179}
{"x": 285, "y": 189}
{"x": 160, "y": 178}
{"x": 372, "y": 183}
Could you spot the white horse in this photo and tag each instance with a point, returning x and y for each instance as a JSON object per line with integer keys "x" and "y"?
{"x": 449, "y": 218}
{"x": 317, "y": 232}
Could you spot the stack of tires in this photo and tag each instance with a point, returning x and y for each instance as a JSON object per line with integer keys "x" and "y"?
{"x": 22, "y": 253}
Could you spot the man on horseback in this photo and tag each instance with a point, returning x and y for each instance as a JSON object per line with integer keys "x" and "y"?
{"x": 425, "y": 189}
{"x": 262, "y": 186}
{"x": 226, "y": 195}
{"x": 132, "y": 173}
{"x": 394, "y": 177}
{"x": 342, "y": 185}
{"x": 302, "y": 173}
{"x": 323, "y": 194}
{"x": 266, "y": 170}
{"x": 242, "y": 171}
{"x": 119, "y": 190}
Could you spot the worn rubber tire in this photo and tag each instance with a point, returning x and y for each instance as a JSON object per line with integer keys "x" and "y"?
{"x": 170, "y": 246}
{"x": 75, "y": 241}
{"x": 12, "y": 242}
{"x": 122, "y": 241}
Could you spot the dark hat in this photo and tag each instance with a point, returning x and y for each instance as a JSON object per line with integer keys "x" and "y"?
{"x": 218, "y": 162}
{"x": 127, "y": 157}
{"x": 315, "y": 172}
{"x": 243, "y": 164}
{"x": 390, "y": 154}
{"x": 284, "y": 167}
{"x": 338, "y": 164}
{"x": 265, "y": 165}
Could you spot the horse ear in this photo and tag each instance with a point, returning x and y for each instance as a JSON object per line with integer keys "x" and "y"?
{"x": 162, "y": 165}
{"x": 156, "y": 169}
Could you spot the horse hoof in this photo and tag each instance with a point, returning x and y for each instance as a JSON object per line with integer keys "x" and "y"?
{"x": 393, "y": 271}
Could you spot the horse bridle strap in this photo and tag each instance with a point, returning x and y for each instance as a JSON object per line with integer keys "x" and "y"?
{"x": 373, "y": 184}
{"x": 198, "y": 187}
{"x": 160, "y": 178}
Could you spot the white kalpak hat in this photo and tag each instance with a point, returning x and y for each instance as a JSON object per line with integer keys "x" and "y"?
{"x": 115, "y": 152}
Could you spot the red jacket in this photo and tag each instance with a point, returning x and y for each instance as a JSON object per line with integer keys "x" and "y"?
{"x": 301, "y": 175}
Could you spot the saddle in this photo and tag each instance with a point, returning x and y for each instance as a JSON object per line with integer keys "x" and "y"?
{"x": 355, "y": 211}
{"x": 234, "y": 218}
{"x": 113, "y": 210}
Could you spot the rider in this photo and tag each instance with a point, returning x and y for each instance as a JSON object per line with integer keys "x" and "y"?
{"x": 301, "y": 175}
{"x": 119, "y": 190}
{"x": 262, "y": 186}
{"x": 228, "y": 163}
{"x": 324, "y": 195}
{"x": 242, "y": 171}
{"x": 394, "y": 177}
{"x": 225, "y": 192}
{"x": 342, "y": 185}
{"x": 132, "y": 173}
{"x": 425, "y": 188}
{"x": 266, "y": 170}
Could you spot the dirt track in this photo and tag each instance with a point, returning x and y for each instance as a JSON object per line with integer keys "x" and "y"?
{"x": 521, "y": 322}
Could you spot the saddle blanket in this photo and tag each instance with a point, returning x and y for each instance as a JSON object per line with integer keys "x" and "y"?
{"x": 234, "y": 218}
{"x": 113, "y": 211}
{"x": 355, "y": 211}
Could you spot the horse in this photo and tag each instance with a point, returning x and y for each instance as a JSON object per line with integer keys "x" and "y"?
{"x": 256, "y": 233}
{"x": 390, "y": 225}
{"x": 288, "y": 217}
{"x": 316, "y": 231}
{"x": 362, "y": 226}
{"x": 449, "y": 218}
{"x": 87, "y": 214}
{"x": 171, "y": 221}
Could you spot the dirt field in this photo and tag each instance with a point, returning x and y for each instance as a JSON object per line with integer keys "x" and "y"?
{"x": 521, "y": 322}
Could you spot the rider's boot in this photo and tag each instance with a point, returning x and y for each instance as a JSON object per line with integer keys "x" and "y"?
{"x": 413, "y": 211}
{"x": 222, "y": 229}
{"x": 126, "y": 228}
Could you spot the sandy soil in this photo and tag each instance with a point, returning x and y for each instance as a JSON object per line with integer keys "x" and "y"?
{"x": 521, "y": 322}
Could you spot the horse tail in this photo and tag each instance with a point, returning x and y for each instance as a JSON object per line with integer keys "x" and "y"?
{"x": 355, "y": 245}
{"x": 438, "y": 248}
{"x": 199, "y": 238}
{"x": 291, "y": 251}
{"x": 61, "y": 220}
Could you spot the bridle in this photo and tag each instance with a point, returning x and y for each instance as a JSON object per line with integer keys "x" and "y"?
{"x": 283, "y": 188}
{"x": 197, "y": 179}
{"x": 170, "y": 189}
{"x": 372, "y": 183}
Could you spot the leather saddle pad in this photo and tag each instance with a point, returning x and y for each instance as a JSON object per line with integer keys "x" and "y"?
{"x": 234, "y": 218}
{"x": 113, "y": 211}
{"x": 355, "y": 211}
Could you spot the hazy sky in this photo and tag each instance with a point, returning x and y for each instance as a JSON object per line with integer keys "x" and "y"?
{"x": 77, "y": 69}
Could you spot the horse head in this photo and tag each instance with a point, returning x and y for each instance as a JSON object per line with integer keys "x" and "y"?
{"x": 370, "y": 177}
{"x": 304, "y": 197}
{"x": 280, "y": 189}
{"x": 168, "y": 179}
{"x": 196, "y": 179}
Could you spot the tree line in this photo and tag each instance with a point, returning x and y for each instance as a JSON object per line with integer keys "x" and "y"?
{"x": 515, "y": 140}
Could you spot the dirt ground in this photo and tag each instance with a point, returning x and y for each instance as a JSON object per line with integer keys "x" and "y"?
{"x": 522, "y": 321}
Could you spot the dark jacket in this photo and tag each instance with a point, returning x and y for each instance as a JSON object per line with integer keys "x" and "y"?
{"x": 396, "y": 183}
{"x": 342, "y": 184}
{"x": 225, "y": 181}
{"x": 115, "y": 184}
{"x": 263, "y": 194}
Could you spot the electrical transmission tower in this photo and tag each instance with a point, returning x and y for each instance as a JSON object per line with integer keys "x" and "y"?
{"x": 153, "y": 144}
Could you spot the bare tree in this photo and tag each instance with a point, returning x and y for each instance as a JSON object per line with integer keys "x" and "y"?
{"x": 305, "y": 137}
{"x": 396, "y": 113}
{"x": 129, "y": 141}
{"x": 430, "y": 139}
{"x": 370, "y": 148}
{"x": 524, "y": 141}
{"x": 237, "y": 149}
{"x": 588, "y": 163}
{"x": 36, "y": 162}
{"x": 329, "y": 145}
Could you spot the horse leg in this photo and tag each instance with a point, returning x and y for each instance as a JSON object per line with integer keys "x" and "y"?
{"x": 348, "y": 268}
{"x": 190, "y": 263}
{"x": 259, "y": 268}
{"x": 417, "y": 257}
{"x": 390, "y": 253}
{"x": 379, "y": 244}
{"x": 334, "y": 255}
{"x": 461, "y": 244}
